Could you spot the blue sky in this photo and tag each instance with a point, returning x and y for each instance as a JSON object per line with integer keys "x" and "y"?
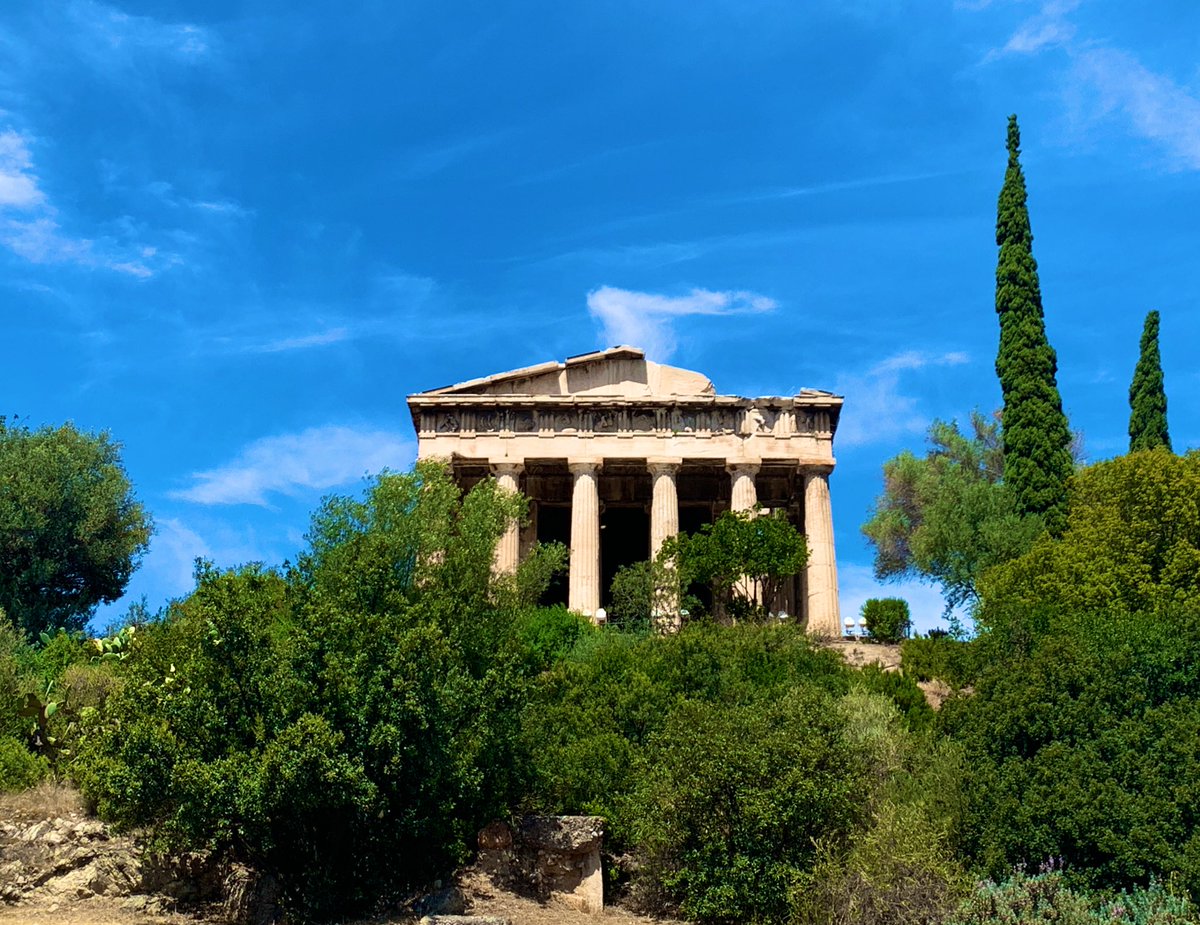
{"x": 237, "y": 235}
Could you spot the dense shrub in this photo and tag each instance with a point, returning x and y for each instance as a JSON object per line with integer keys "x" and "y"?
{"x": 898, "y": 867}
{"x": 731, "y": 799}
{"x": 1024, "y": 899}
{"x": 887, "y": 618}
{"x": 19, "y": 767}
{"x": 544, "y": 635}
{"x": 942, "y": 658}
{"x": 902, "y": 691}
{"x": 348, "y": 725}
{"x": 1085, "y": 749}
{"x": 595, "y": 710}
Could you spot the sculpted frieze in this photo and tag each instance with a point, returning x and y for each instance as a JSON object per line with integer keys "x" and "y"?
{"x": 747, "y": 422}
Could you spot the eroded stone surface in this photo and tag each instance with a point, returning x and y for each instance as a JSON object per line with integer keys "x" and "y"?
{"x": 556, "y": 857}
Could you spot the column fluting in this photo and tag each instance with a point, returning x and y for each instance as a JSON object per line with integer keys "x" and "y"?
{"x": 584, "y": 582}
{"x": 508, "y": 549}
{"x": 824, "y": 618}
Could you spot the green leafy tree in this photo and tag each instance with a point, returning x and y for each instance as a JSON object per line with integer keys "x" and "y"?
{"x": 743, "y": 557}
{"x": 1037, "y": 439}
{"x": 946, "y": 517}
{"x": 1083, "y": 748}
{"x": 1147, "y": 399}
{"x": 733, "y": 799}
{"x": 71, "y": 532}
{"x": 347, "y": 724}
{"x": 1132, "y": 541}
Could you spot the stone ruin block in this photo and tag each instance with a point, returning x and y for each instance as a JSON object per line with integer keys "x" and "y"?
{"x": 555, "y": 857}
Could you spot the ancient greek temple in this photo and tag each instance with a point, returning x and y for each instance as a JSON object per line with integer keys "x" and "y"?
{"x": 616, "y": 453}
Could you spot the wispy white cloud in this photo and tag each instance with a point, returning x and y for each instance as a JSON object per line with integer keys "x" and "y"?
{"x": 303, "y": 342}
{"x": 109, "y": 33}
{"x": 293, "y": 464}
{"x": 166, "y": 193}
{"x": 1048, "y": 28}
{"x": 1103, "y": 82}
{"x": 646, "y": 320}
{"x": 29, "y": 225}
{"x": 174, "y": 549}
{"x": 1154, "y": 106}
{"x": 878, "y": 407}
{"x": 18, "y": 184}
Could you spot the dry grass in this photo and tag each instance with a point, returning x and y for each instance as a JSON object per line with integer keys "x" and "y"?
{"x": 47, "y": 800}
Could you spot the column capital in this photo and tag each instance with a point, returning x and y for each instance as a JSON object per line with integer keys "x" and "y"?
{"x": 506, "y": 466}
{"x": 664, "y": 465}
{"x": 743, "y": 466}
{"x": 808, "y": 469}
{"x": 587, "y": 465}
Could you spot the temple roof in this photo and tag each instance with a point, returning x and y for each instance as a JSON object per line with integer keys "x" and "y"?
{"x": 618, "y": 371}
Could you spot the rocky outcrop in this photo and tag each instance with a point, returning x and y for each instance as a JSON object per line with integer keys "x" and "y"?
{"x": 555, "y": 857}
{"x": 67, "y": 859}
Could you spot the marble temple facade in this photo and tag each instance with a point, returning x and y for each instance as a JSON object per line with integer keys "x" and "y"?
{"x": 617, "y": 453}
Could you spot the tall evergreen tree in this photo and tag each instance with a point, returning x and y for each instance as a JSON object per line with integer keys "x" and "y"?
{"x": 1147, "y": 399}
{"x": 1037, "y": 440}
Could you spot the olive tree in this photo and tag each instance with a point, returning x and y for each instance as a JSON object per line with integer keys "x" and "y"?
{"x": 71, "y": 531}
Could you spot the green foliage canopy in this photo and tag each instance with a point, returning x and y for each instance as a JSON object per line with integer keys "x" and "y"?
{"x": 946, "y": 517}
{"x": 1132, "y": 542}
{"x": 71, "y": 532}
{"x": 348, "y": 724}
{"x": 888, "y": 619}
{"x": 1147, "y": 397}
{"x": 1085, "y": 749}
{"x": 743, "y": 557}
{"x": 1037, "y": 440}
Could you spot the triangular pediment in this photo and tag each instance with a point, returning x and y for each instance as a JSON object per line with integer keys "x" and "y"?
{"x": 622, "y": 372}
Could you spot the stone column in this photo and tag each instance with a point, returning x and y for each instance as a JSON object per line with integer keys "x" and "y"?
{"x": 584, "y": 585}
{"x": 821, "y": 572}
{"x": 743, "y": 497}
{"x": 743, "y": 494}
{"x": 664, "y": 523}
{"x": 664, "y": 506}
{"x": 508, "y": 550}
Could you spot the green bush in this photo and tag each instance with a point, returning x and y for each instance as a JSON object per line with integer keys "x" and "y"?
{"x": 1024, "y": 899}
{"x": 941, "y": 658}
{"x": 546, "y": 634}
{"x": 348, "y": 725}
{"x": 887, "y": 618}
{"x": 731, "y": 800}
{"x": 592, "y": 712}
{"x": 19, "y": 767}
{"x": 1102, "y": 712}
{"x": 903, "y": 692}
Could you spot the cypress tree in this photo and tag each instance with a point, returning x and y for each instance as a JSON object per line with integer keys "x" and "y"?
{"x": 1037, "y": 440}
{"x": 1147, "y": 399}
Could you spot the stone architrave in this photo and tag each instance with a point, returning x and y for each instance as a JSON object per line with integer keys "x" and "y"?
{"x": 584, "y": 582}
{"x": 611, "y": 429}
{"x": 508, "y": 549}
{"x": 824, "y": 618}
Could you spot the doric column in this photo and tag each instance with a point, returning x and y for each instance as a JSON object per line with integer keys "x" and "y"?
{"x": 821, "y": 572}
{"x": 584, "y": 587}
{"x": 508, "y": 550}
{"x": 743, "y": 495}
{"x": 664, "y": 523}
{"x": 664, "y": 506}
